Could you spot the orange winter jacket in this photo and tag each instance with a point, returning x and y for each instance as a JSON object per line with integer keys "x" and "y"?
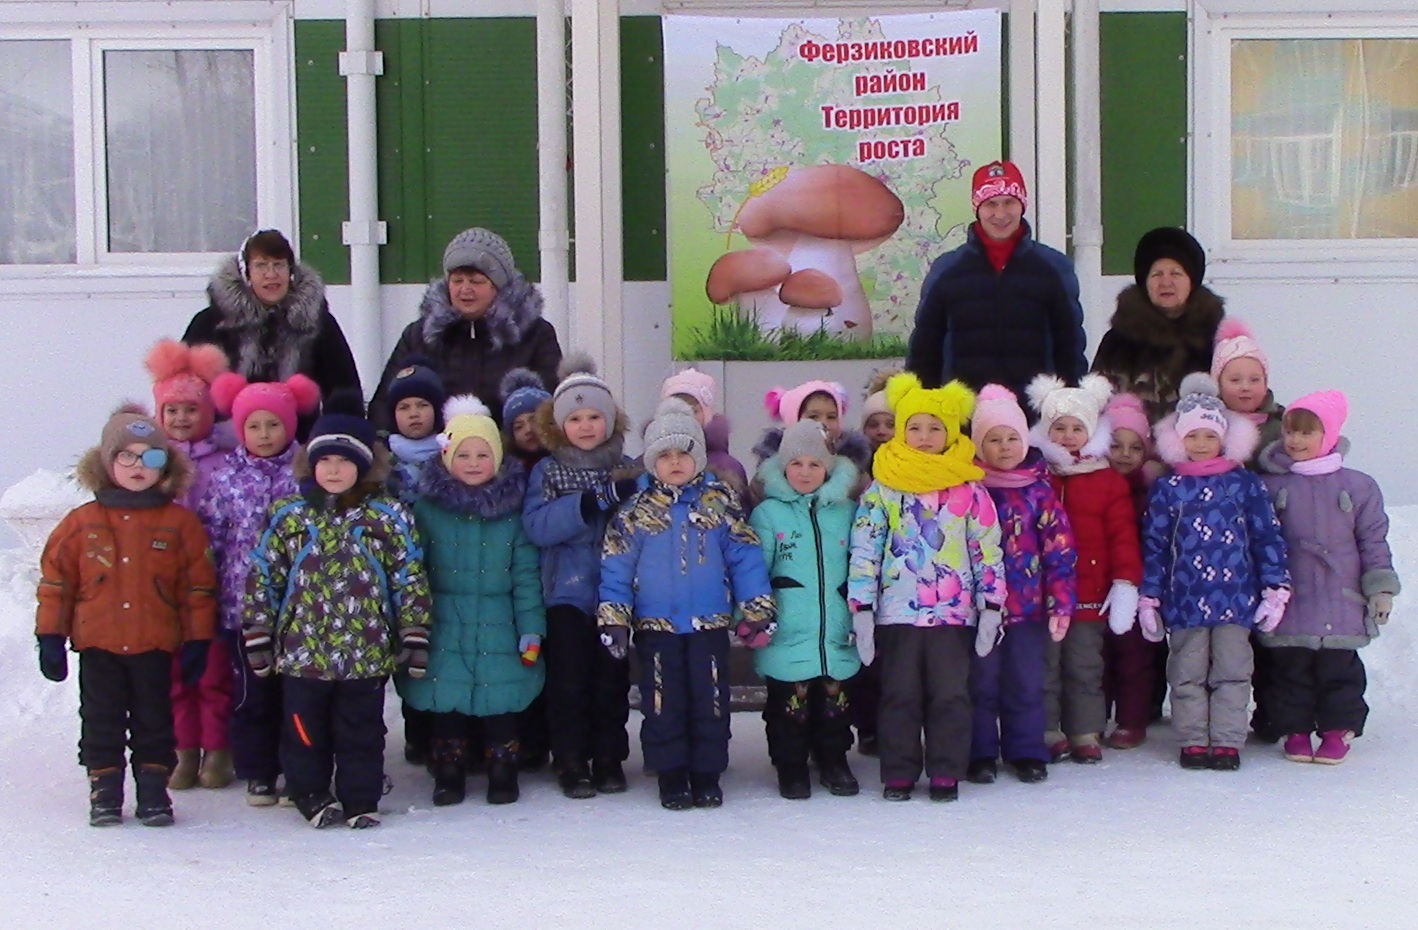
{"x": 128, "y": 579}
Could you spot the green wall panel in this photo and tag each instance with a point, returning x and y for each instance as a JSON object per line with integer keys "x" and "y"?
{"x": 321, "y": 144}
{"x": 1144, "y": 103}
{"x": 642, "y": 101}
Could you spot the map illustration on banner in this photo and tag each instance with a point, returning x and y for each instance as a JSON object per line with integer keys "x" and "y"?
{"x": 816, "y": 168}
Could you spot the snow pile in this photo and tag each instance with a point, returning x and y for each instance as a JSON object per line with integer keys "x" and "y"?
{"x": 34, "y": 506}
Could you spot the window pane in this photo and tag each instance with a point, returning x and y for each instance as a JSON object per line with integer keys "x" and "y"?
{"x": 181, "y": 149}
{"x": 36, "y": 153}
{"x": 1324, "y": 138}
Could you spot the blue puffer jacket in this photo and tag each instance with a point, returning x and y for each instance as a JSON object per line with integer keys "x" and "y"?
{"x": 982, "y": 325}
{"x": 1210, "y": 545}
{"x": 806, "y": 539}
{"x": 680, "y": 559}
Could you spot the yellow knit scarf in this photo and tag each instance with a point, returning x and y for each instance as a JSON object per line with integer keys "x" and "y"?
{"x": 898, "y": 466}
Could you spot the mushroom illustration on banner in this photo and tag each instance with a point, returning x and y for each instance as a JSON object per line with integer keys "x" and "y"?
{"x": 807, "y": 225}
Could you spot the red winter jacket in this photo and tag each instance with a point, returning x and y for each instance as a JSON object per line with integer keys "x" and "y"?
{"x": 1100, "y": 509}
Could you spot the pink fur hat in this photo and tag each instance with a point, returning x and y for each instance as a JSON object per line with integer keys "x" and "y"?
{"x": 1126, "y": 411}
{"x": 1201, "y": 408}
{"x": 183, "y": 374}
{"x": 1332, "y": 407}
{"x": 787, "y": 405}
{"x": 692, "y": 383}
{"x": 239, "y": 398}
{"x": 996, "y": 405}
{"x": 1234, "y": 340}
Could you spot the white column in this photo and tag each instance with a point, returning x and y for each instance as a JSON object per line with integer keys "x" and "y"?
{"x": 553, "y": 236}
{"x": 1048, "y": 199}
{"x": 363, "y": 233}
{"x": 1087, "y": 155}
{"x": 1021, "y": 90}
{"x": 595, "y": 125}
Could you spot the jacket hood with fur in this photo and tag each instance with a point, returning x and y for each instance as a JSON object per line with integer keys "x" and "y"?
{"x": 93, "y": 475}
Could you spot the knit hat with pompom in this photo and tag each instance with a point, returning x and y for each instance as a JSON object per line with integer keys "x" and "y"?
{"x": 581, "y": 389}
{"x": 675, "y": 427}
{"x": 1054, "y": 399}
{"x": 997, "y": 406}
{"x": 468, "y": 418}
{"x": 183, "y": 374}
{"x": 239, "y": 399}
{"x": 786, "y": 404}
{"x": 522, "y": 391}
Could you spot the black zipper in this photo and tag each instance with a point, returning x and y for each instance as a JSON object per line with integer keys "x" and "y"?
{"x": 821, "y": 588}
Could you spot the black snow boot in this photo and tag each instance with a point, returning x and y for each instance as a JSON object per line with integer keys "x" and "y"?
{"x": 1030, "y": 771}
{"x": 105, "y": 797}
{"x": 502, "y": 774}
{"x": 705, "y": 790}
{"x": 836, "y": 776}
{"x": 608, "y": 775}
{"x": 154, "y": 806}
{"x": 674, "y": 790}
{"x": 794, "y": 783}
{"x": 575, "y": 780}
{"x": 982, "y": 772}
{"x": 450, "y": 771}
{"x": 320, "y": 810}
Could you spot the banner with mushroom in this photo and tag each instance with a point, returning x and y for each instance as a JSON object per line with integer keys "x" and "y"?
{"x": 816, "y": 168}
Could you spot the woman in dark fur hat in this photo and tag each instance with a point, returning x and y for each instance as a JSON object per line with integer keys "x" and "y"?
{"x": 1165, "y": 324}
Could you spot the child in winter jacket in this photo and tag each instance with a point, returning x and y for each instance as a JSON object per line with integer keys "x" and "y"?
{"x": 679, "y": 559}
{"x": 128, "y": 580}
{"x": 182, "y": 402}
{"x": 234, "y": 510}
{"x": 1134, "y": 669}
{"x": 571, "y": 496}
{"x": 488, "y": 619}
{"x": 1007, "y": 680}
{"x": 805, "y": 526}
{"x": 878, "y": 425}
{"x": 826, "y": 403}
{"x": 1215, "y": 567}
{"x": 697, "y": 390}
{"x": 416, "y": 400}
{"x": 337, "y": 600}
{"x": 1344, "y": 583}
{"x": 926, "y": 562}
{"x": 1074, "y": 437}
{"x": 522, "y": 393}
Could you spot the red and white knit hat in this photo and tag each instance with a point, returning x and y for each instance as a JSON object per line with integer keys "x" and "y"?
{"x": 998, "y": 179}
{"x": 1234, "y": 340}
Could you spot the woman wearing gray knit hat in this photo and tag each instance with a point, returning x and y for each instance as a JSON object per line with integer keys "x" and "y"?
{"x": 477, "y": 322}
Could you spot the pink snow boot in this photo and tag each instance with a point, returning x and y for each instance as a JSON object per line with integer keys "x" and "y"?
{"x": 1334, "y": 746}
{"x": 1299, "y": 748}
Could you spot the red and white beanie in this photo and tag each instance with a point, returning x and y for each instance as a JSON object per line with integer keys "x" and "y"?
{"x": 998, "y": 179}
{"x": 183, "y": 374}
{"x": 1234, "y": 340}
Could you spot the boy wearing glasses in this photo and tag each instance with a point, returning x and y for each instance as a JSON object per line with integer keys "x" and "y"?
{"x": 127, "y": 580}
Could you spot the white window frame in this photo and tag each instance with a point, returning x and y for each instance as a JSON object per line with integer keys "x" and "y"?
{"x": 264, "y": 28}
{"x": 1211, "y": 170}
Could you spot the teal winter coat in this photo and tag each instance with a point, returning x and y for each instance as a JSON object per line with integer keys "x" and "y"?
{"x": 807, "y": 541}
{"x": 487, "y": 594}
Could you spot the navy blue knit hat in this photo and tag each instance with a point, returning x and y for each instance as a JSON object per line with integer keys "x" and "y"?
{"x": 522, "y": 392}
{"x": 418, "y": 379}
{"x": 343, "y": 430}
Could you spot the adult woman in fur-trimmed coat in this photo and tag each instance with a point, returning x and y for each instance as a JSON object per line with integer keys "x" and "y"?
{"x": 1165, "y": 324}
{"x": 476, "y": 323}
{"x": 268, "y": 313}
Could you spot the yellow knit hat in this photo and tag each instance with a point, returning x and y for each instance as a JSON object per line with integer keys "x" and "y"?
{"x": 468, "y": 418}
{"x": 951, "y": 404}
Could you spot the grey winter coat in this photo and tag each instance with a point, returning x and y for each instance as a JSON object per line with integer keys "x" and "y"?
{"x": 1337, "y": 534}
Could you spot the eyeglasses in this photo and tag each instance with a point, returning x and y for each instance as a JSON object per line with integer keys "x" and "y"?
{"x": 267, "y": 267}
{"x": 151, "y": 458}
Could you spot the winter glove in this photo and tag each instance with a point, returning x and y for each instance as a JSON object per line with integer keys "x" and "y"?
{"x": 616, "y": 639}
{"x": 260, "y": 650}
{"x": 1380, "y": 606}
{"x": 53, "y": 656}
{"x": 864, "y": 631}
{"x": 530, "y": 646}
{"x": 1121, "y": 605}
{"x": 413, "y": 651}
{"x": 1149, "y": 619}
{"x": 989, "y": 631}
{"x": 192, "y": 660}
{"x": 1272, "y": 609}
{"x": 1058, "y": 627}
{"x": 756, "y": 634}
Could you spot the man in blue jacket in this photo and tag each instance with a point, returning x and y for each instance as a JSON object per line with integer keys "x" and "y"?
{"x": 1001, "y": 308}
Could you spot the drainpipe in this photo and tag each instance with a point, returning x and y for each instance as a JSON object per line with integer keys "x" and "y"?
{"x": 361, "y": 65}
{"x": 1087, "y": 155}
{"x": 552, "y": 237}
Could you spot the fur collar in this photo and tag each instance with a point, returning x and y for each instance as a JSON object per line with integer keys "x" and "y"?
{"x": 1063, "y": 462}
{"x": 1137, "y": 320}
{"x": 91, "y": 474}
{"x": 243, "y": 315}
{"x": 1239, "y": 444}
{"x": 852, "y": 443}
{"x": 838, "y": 488}
{"x": 498, "y": 498}
{"x": 517, "y": 308}
{"x": 609, "y": 454}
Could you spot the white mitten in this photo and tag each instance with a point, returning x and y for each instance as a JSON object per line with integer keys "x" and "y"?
{"x": 1121, "y": 605}
{"x": 989, "y": 631}
{"x": 864, "y": 630}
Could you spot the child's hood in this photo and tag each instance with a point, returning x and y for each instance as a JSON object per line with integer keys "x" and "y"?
{"x": 1057, "y": 456}
{"x": 838, "y": 487}
{"x": 92, "y": 474}
{"x": 1239, "y": 444}
{"x": 852, "y": 443}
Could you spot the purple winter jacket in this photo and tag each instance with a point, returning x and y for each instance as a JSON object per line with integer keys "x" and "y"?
{"x": 724, "y": 466}
{"x": 1337, "y": 534}
{"x": 1040, "y": 558}
{"x": 206, "y": 455}
{"x": 235, "y": 511}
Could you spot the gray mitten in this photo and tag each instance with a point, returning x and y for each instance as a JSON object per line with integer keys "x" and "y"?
{"x": 989, "y": 631}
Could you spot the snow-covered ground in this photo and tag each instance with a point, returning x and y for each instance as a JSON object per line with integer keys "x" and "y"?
{"x": 1134, "y": 842}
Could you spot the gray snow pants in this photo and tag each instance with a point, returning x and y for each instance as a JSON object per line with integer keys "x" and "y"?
{"x": 1209, "y": 670}
{"x": 1073, "y": 682}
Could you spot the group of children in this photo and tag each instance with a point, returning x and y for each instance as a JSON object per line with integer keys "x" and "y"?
{"x": 961, "y": 586}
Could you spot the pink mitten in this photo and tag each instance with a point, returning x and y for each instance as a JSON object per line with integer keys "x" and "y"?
{"x": 1149, "y": 619}
{"x": 1272, "y": 609}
